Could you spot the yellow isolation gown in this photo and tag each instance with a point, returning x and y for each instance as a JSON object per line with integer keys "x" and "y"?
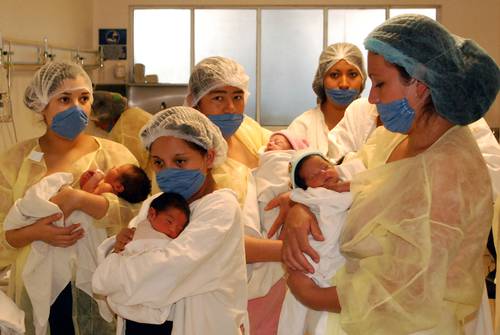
{"x": 414, "y": 238}
{"x": 20, "y": 167}
{"x": 126, "y": 131}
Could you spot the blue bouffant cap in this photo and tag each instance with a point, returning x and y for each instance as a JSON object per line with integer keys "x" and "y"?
{"x": 463, "y": 79}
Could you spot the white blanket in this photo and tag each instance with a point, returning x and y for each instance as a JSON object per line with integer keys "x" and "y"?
{"x": 49, "y": 269}
{"x": 202, "y": 272}
{"x": 11, "y": 317}
{"x": 272, "y": 178}
{"x": 330, "y": 208}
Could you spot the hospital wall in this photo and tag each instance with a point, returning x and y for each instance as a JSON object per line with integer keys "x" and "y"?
{"x": 75, "y": 24}
{"x": 64, "y": 23}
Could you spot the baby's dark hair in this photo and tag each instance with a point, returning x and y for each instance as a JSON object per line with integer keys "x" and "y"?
{"x": 136, "y": 185}
{"x": 299, "y": 181}
{"x": 171, "y": 200}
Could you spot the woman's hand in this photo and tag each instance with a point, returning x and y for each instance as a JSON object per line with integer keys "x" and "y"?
{"x": 299, "y": 223}
{"x": 284, "y": 202}
{"x": 44, "y": 230}
{"x": 123, "y": 238}
{"x": 311, "y": 295}
{"x": 58, "y": 236}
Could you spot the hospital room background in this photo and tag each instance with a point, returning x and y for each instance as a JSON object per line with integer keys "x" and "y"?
{"x": 145, "y": 49}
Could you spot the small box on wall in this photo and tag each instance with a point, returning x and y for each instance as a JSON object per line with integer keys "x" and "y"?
{"x": 113, "y": 43}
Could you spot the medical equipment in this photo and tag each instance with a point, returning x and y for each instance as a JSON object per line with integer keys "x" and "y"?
{"x": 8, "y": 131}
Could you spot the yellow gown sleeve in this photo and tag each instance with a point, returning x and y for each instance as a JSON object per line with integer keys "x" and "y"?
{"x": 252, "y": 135}
{"x": 7, "y": 252}
{"x": 377, "y": 148}
{"x": 17, "y": 173}
{"x": 119, "y": 214}
{"x": 126, "y": 132}
{"x": 233, "y": 175}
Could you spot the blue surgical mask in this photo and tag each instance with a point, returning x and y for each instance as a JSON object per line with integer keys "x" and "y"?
{"x": 227, "y": 123}
{"x": 183, "y": 181}
{"x": 70, "y": 123}
{"x": 397, "y": 116}
{"x": 341, "y": 97}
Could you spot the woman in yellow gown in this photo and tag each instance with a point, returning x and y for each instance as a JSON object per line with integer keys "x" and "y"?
{"x": 62, "y": 94}
{"x": 421, "y": 214}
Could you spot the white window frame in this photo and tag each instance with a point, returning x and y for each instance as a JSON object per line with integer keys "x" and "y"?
{"x": 259, "y": 9}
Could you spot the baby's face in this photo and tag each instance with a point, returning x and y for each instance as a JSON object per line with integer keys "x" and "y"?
{"x": 278, "y": 142}
{"x": 317, "y": 172}
{"x": 170, "y": 221}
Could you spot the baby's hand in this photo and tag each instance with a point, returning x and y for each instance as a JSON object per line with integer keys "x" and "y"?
{"x": 91, "y": 179}
{"x": 85, "y": 177}
{"x": 331, "y": 178}
{"x": 123, "y": 238}
{"x": 333, "y": 182}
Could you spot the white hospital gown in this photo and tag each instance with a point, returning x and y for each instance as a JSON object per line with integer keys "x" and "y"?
{"x": 202, "y": 272}
{"x": 50, "y": 269}
{"x": 311, "y": 125}
{"x": 347, "y": 136}
{"x": 490, "y": 150}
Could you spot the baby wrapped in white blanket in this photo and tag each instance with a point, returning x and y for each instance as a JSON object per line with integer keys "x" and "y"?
{"x": 313, "y": 177}
{"x": 50, "y": 269}
{"x": 271, "y": 179}
{"x": 161, "y": 219}
{"x": 200, "y": 272}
